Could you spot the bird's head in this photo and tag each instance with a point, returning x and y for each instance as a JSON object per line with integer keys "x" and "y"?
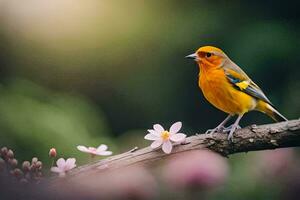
{"x": 209, "y": 56}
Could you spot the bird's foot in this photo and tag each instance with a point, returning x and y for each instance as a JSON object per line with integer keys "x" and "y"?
{"x": 232, "y": 129}
{"x": 228, "y": 129}
{"x": 215, "y": 130}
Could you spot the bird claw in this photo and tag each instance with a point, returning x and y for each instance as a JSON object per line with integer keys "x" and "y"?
{"x": 232, "y": 129}
{"x": 221, "y": 129}
{"x": 227, "y": 129}
{"x": 209, "y": 131}
{"x": 230, "y": 137}
{"x": 215, "y": 130}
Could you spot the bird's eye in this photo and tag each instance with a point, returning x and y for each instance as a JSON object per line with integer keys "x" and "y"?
{"x": 208, "y": 55}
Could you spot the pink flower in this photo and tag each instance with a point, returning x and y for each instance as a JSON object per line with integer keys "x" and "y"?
{"x": 63, "y": 166}
{"x": 100, "y": 151}
{"x": 165, "y": 138}
{"x": 196, "y": 169}
{"x": 133, "y": 182}
{"x": 275, "y": 163}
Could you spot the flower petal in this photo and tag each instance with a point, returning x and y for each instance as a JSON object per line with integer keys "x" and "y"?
{"x": 178, "y": 137}
{"x": 167, "y": 146}
{"x": 175, "y": 127}
{"x": 156, "y": 143}
{"x": 150, "y": 136}
{"x": 158, "y": 128}
{"x": 56, "y": 170}
{"x": 70, "y": 163}
{"x": 102, "y": 147}
{"x": 83, "y": 149}
{"x": 154, "y": 132}
{"x": 60, "y": 163}
{"x": 104, "y": 153}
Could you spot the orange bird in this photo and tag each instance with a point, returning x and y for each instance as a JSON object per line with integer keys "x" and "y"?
{"x": 228, "y": 88}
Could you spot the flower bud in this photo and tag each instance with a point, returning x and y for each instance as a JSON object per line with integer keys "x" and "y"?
{"x": 17, "y": 173}
{"x": 34, "y": 160}
{"x": 3, "y": 151}
{"x": 52, "y": 153}
{"x": 13, "y": 162}
{"x": 10, "y": 154}
{"x": 26, "y": 166}
{"x": 38, "y": 165}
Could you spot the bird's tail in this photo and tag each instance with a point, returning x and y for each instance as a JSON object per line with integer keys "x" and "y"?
{"x": 270, "y": 111}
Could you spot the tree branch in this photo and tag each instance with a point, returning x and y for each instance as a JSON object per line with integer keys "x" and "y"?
{"x": 252, "y": 138}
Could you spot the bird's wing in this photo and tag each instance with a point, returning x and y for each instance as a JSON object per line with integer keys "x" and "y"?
{"x": 242, "y": 82}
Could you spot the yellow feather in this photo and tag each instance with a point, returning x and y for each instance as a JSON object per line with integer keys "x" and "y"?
{"x": 243, "y": 85}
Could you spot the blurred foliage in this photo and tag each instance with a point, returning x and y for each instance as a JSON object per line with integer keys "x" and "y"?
{"x": 102, "y": 71}
{"x": 34, "y": 119}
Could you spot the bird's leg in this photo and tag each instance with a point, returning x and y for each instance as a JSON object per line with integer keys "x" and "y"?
{"x": 219, "y": 127}
{"x": 234, "y": 127}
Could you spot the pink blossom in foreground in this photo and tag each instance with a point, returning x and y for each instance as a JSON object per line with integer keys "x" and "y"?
{"x": 63, "y": 166}
{"x": 100, "y": 151}
{"x": 134, "y": 182}
{"x": 198, "y": 168}
{"x": 275, "y": 163}
{"x": 164, "y": 138}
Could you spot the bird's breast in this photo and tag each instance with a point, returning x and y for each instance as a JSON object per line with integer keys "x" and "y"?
{"x": 219, "y": 92}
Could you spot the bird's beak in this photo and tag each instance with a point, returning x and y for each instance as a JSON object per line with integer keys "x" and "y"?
{"x": 192, "y": 56}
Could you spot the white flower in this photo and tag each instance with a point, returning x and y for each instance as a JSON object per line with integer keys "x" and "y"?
{"x": 165, "y": 138}
{"x": 100, "y": 151}
{"x": 63, "y": 166}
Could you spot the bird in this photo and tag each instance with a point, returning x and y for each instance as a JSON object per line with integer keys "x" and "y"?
{"x": 227, "y": 87}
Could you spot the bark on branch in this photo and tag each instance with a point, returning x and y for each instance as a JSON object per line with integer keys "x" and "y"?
{"x": 252, "y": 138}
